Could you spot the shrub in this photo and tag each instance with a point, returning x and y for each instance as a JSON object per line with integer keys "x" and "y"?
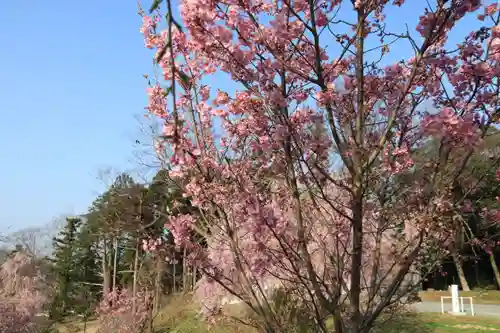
{"x": 117, "y": 314}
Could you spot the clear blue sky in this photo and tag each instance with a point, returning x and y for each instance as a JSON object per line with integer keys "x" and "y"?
{"x": 70, "y": 85}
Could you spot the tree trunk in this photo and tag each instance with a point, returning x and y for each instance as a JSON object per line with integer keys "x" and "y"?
{"x": 159, "y": 270}
{"x": 150, "y": 318}
{"x": 356, "y": 259}
{"x": 195, "y": 272}
{"x": 115, "y": 254}
{"x": 495, "y": 268}
{"x": 185, "y": 270}
{"x": 134, "y": 283}
{"x": 460, "y": 271}
{"x": 173, "y": 276}
{"x": 106, "y": 283}
{"x": 476, "y": 271}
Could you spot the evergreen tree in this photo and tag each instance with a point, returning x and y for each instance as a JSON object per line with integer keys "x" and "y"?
{"x": 481, "y": 206}
{"x": 86, "y": 290}
{"x": 64, "y": 266}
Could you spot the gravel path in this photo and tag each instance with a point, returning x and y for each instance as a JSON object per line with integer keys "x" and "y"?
{"x": 479, "y": 309}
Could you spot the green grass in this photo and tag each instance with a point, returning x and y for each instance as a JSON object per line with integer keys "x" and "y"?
{"x": 406, "y": 324}
{"x": 436, "y": 323}
{"x": 179, "y": 316}
{"x": 451, "y": 324}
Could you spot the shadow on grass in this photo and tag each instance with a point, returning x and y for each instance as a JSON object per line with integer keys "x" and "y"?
{"x": 408, "y": 323}
{"x": 179, "y": 316}
{"x": 401, "y": 323}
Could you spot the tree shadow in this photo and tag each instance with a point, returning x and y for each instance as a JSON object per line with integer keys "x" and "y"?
{"x": 407, "y": 322}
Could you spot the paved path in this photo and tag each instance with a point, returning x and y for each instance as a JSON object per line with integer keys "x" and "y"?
{"x": 479, "y": 309}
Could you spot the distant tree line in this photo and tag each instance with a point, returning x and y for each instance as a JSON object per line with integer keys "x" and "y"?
{"x": 105, "y": 249}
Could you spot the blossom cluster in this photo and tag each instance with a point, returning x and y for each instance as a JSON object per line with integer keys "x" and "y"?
{"x": 122, "y": 311}
{"x": 21, "y": 296}
{"x": 309, "y": 151}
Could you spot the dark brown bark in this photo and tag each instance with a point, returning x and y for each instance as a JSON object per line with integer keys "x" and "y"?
{"x": 134, "y": 283}
{"x": 106, "y": 277}
{"x": 174, "y": 287}
{"x": 356, "y": 260}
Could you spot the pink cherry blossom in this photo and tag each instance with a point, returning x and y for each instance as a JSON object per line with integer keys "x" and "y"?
{"x": 307, "y": 172}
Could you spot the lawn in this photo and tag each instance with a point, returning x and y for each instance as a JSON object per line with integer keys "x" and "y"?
{"x": 407, "y": 324}
{"x": 179, "y": 316}
{"x": 435, "y": 323}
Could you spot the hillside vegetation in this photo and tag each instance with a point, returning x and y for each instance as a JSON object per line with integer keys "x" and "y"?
{"x": 179, "y": 315}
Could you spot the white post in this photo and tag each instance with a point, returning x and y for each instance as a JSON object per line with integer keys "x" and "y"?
{"x": 455, "y": 303}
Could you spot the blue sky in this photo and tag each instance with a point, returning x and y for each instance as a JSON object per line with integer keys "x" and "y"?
{"x": 70, "y": 85}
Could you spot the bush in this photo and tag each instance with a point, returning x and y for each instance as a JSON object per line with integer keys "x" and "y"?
{"x": 289, "y": 314}
{"x": 116, "y": 312}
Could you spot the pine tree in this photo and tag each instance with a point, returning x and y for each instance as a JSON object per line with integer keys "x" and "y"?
{"x": 87, "y": 286}
{"x": 64, "y": 266}
{"x": 115, "y": 217}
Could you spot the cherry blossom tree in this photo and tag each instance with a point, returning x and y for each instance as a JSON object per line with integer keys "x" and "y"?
{"x": 123, "y": 311}
{"x": 303, "y": 171}
{"x": 21, "y": 294}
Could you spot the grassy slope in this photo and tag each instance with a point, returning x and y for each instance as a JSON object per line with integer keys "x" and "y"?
{"x": 179, "y": 316}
